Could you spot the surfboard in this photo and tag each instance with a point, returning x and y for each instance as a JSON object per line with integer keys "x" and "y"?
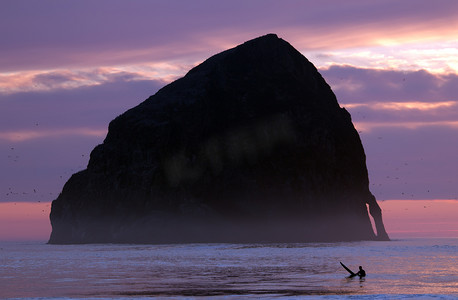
{"x": 349, "y": 271}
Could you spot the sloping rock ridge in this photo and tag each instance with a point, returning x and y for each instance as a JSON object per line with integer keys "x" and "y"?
{"x": 249, "y": 146}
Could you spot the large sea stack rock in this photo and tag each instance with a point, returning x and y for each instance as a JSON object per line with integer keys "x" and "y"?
{"x": 249, "y": 146}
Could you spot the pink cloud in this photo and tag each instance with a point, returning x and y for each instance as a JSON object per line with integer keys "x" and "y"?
{"x": 19, "y": 136}
{"x": 393, "y": 98}
{"x": 52, "y": 80}
{"x": 91, "y": 106}
{"x": 365, "y": 85}
{"x": 105, "y": 33}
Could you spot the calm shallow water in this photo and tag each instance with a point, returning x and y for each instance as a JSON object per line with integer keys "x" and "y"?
{"x": 401, "y": 269}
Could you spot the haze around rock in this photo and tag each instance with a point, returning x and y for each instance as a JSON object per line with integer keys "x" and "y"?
{"x": 249, "y": 146}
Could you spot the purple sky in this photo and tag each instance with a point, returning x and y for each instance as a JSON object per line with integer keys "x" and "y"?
{"x": 69, "y": 67}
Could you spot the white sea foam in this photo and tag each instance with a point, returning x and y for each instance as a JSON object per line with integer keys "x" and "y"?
{"x": 400, "y": 269}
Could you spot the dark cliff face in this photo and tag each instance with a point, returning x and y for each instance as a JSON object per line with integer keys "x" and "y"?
{"x": 250, "y": 146}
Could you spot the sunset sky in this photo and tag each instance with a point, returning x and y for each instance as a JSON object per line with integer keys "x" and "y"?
{"x": 69, "y": 67}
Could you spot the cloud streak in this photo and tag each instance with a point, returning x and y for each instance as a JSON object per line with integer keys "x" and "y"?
{"x": 85, "y": 110}
{"x": 362, "y": 85}
{"x": 109, "y": 33}
{"x": 395, "y": 98}
{"x": 49, "y": 80}
{"x": 23, "y": 135}
{"x": 397, "y": 106}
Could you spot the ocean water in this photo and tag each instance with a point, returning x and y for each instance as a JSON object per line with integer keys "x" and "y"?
{"x": 399, "y": 269}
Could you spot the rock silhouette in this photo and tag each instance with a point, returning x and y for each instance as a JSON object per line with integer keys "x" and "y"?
{"x": 249, "y": 146}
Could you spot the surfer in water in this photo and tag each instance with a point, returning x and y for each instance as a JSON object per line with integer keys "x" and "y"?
{"x": 361, "y": 273}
